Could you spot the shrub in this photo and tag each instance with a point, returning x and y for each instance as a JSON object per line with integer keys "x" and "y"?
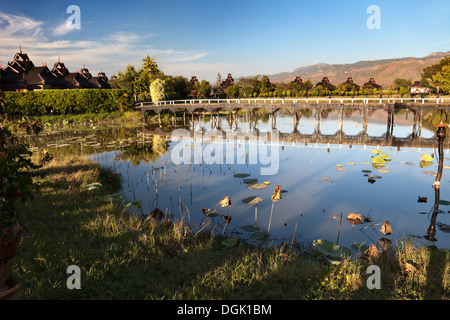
{"x": 62, "y": 101}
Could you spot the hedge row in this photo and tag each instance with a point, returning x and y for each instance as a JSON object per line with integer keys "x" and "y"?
{"x": 67, "y": 100}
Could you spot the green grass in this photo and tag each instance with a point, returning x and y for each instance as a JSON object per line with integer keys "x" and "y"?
{"x": 124, "y": 257}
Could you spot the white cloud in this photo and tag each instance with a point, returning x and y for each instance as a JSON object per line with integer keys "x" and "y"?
{"x": 62, "y": 29}
{"x": 111, "y": 53}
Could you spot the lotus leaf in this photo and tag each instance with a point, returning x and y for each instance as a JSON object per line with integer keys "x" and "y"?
{"x": 426, "y": 157}
{"x": 251, "y": 228}
{"x": 259, "y": 235}
{"x": 230, "y": 242}
{"x": 241, "y": 175}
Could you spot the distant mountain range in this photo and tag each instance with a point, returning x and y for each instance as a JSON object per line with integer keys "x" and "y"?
{"x": 384, "y": 71}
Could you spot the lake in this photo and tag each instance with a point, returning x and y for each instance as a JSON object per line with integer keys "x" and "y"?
{"x": 324, "y": 164}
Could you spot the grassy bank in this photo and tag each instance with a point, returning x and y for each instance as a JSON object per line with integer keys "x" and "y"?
{"x": 124, "y": 257}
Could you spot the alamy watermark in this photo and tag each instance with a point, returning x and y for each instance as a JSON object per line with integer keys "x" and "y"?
{"x": 236, "y": 147}
{"x": 74, "y": 20}
{"x": 374, "y": 20}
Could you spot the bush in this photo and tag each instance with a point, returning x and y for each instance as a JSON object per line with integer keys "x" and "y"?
{"x": 61, "y": 101}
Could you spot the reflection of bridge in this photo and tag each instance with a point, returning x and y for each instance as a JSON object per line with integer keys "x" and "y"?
{"x": 387, "y": 139}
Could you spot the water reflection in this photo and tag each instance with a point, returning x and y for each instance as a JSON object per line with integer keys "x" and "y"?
{"x": 325, "y": 170}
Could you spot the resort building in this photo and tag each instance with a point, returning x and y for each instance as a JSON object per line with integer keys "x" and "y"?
{"x": 325, "y": 83}
{"x": 418, "y": 88}
{"x": 22, "y": 75}
{"x": 372, "y": 84}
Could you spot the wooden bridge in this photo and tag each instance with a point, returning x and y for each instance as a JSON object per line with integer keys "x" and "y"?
{"x": 296, "y": 107}
{"x": 273, "y": 105}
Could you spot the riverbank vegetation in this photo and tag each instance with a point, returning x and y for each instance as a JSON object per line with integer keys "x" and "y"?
{"x": 124, "y": 256}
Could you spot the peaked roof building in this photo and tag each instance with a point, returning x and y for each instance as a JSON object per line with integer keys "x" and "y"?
{"x": 22, "y": 75}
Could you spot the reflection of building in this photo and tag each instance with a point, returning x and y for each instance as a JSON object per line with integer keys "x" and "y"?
{"x": 417, "y": 88}
{"x": 371, "y": 84}
{"x": 22, "y": 75}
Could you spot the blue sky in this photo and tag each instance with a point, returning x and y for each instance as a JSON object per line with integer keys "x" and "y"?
{"x": 202, "y": 38}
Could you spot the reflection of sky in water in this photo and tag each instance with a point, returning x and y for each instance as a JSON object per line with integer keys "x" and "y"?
{"x": 310, "y": 202}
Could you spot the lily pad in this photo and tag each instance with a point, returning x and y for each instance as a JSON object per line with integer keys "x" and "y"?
{"x": 425, "y": 164}
{"x": 259, "y": 235}
{"x": 256, "y": 186}
{"x": 328, "y": 248}
{"x": 426, "y": 157}
{"x": 230, "y": 242}
{"x": 251, "y": 228}
{"x": 112, "y": 197}
{"x": 241, "y": 175}
{"x": 252, "y": 200}
{"x": 250, "y": 181}
{"x": 378, "y": 160}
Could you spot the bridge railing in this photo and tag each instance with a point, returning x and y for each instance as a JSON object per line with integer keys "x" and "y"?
{"x": 321, "y": 100}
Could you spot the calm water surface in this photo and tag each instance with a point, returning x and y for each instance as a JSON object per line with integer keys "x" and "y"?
{"x": 321, "y": 181}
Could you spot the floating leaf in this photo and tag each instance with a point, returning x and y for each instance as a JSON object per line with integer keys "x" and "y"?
{"x": 252, "y": 200}
{"x": 241, "y": 175}
{"x": 94, "y": 186}
{"x": 277, "y": 193}
{"x": 378, "y": 160}
{"x": 225, "y": 201}
{"x": 341, "y": 169}
{"x": 251, "y": 228}
{"x": 266, "y": 182}
{"x": 422, "y": 199}
{"x": 424, "y": 164}
{"x": 384, "y": 170}
{"x": 444, "y": 202}
{"x": 339, "y": 165}
{"x": 112, "y": 197}
{"x": 357, "y": 218}
{"x": 327, "y": 248}
{"x": 250, "y": 181}
{"x": 374, "y": 176}
{"x": 325, "y": 178}
{"x": 259, "y": 235}
{"x": 226, "y": 218}
{"x": 135, "y": 204}
{"x": 426, "y": 157}
{"x": 351, "y": 163}
{"x": 366, "y": 171}
{"x": 256, "y": 186}
{"x": 386, "y": 228}
{"x": 384, "y": 155}
{"x": 376, "y": 151}
{"x": 230, "y": 242}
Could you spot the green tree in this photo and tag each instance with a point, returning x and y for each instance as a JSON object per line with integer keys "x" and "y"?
{"x": 400, "y": 83}
{"x": 203, "y": 89}
{"x": 441, "y": 80}
{"x": 177, "y": 88}
{"x": 233, "y": 91}
{"x": 157, "y": 90}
